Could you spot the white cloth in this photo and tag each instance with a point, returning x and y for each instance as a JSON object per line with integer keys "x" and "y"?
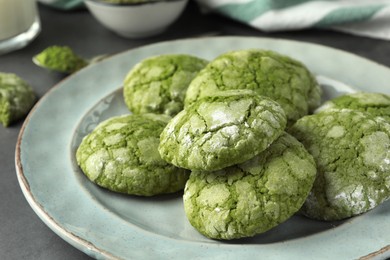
{"x": 369, "y": 18}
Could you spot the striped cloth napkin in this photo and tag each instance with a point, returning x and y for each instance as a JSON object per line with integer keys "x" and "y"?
{"x": 369, "y": 18}
{"x": 63, "y": 4}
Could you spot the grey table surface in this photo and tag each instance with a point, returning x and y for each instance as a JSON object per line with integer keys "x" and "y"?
{"x": 22, "y": 234}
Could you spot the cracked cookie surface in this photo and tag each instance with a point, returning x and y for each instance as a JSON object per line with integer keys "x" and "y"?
{"x": 352, "y": 153}
{"x": 158, "y": 84}
{"x": 222, "y": 130}
{"x": 377, "y": 104}
{"x": 121, "y": 155}
{"x": 268, "y": 73}
{"x": 16, "y": 98}
{"x": 250, "y": 198}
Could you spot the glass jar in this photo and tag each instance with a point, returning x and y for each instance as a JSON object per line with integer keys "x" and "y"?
{"x": 19, "y": 24}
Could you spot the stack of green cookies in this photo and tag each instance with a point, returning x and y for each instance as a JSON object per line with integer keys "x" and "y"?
{"x": 121, "y": 154}
{"x": 247, "y": 174}
{"x": 235, "y": 133}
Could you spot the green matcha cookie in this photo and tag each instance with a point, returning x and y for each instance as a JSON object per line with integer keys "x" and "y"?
{"x": 352, "y": 153}
{"x": 377, "y": 104}
{"x": 16, "y": 98}
{"x": 268, "y": 73}
{"x": 158, "y": 84}
{"x": 222, "y": 130}
{"x": 120, "y": 154}
{"x": 252, "y": 197}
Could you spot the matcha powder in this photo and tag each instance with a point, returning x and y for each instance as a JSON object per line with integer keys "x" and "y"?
{"x": 60, "y": 58}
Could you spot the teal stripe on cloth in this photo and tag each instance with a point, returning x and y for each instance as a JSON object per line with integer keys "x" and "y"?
{"x": 66, "y": 4}
{"x": 248, "y": 11}
{"x": 348, "y": 14}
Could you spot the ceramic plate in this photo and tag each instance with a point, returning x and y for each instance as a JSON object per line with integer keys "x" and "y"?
{"x": 107, "y": 225}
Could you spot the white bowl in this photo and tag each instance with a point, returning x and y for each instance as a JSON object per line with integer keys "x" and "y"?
{"x": 136, "y": 20}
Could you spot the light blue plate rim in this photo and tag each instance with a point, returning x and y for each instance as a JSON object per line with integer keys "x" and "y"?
{"x": 43, "y": 161}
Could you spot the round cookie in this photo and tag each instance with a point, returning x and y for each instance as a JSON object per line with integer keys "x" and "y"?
{"x": 377, "y": 104}
{"x": 121, "y": 155}
{"x": 268, "y": 73}
{"x": 252, "y": 197}
{"x": 351, "y": 150}
{"x": 222, "y": 130}
{"x": 16, "y": 98}
{"x": 158, "y": 84}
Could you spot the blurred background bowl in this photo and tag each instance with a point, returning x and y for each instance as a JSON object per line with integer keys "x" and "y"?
{"x": 136, "y": 20}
